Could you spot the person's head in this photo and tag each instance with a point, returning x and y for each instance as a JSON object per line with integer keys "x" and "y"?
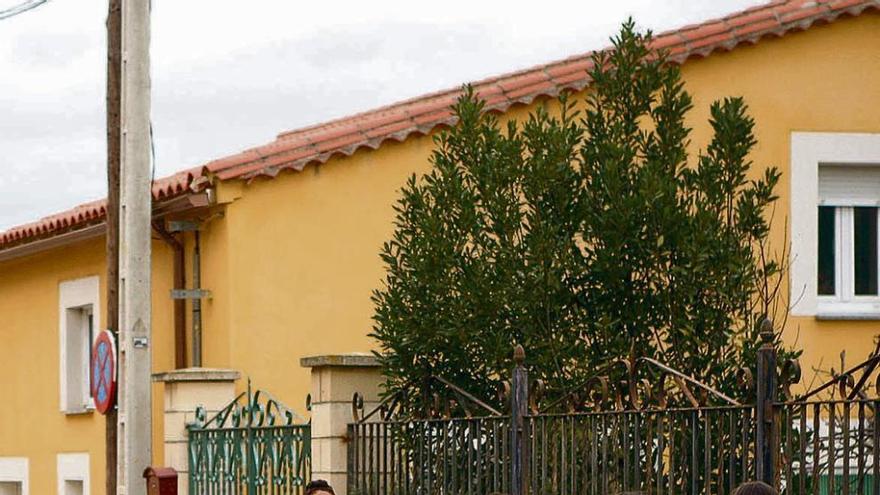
{"x": 319, "y": 487}
{"x": 755, "y": 488}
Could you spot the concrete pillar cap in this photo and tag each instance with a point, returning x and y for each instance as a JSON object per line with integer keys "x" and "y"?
{"x": 348, "y": 360}
{"x": 197, "y": 375}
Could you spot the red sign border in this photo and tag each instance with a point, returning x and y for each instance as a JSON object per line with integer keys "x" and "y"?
{"x": 104, "y": 407}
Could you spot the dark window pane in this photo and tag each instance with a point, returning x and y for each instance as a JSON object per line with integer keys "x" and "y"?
{"x": 826, "y": 251}
{"x": 865, "y": 240}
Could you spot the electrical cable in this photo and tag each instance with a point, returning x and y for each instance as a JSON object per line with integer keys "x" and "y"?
{"x": 21, "y": 8}
{"x": 152, "y": 159}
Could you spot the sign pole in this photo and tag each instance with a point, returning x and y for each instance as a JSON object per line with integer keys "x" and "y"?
{"x": 135, "y": 404}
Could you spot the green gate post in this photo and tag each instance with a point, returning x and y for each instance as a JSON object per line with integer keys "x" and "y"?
{"x": 250, "y": 458}
{"x": 766, "y": 438}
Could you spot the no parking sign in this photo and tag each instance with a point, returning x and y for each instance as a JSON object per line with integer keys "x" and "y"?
{"x": 103, "y": 372}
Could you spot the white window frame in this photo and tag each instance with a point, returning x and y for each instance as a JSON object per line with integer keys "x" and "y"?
{"x": 15, "y": 470}
{"x": 76, "y": 294}
{"x": 73, "y": 467}
{"x": 845, "y": 298}
{"x": 808, "y": 151}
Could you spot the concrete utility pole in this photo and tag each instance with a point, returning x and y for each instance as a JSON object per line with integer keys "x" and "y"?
{"x": 135, "y": 422}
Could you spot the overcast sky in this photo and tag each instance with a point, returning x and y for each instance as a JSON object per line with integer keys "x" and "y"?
{"x": 228, "y": 75}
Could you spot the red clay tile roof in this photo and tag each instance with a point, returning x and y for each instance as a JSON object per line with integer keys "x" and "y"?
{"x": 419, "y": 116}
{"x": 91, "y": 213}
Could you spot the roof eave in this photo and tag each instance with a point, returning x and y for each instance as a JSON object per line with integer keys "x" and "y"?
{"x": 180, "y": 204}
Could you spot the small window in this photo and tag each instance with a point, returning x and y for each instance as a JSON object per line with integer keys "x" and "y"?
{"x": 73, "y": 487}
{"x": 826, "y": 281}
{"x": 13, "y": 476}
{"x": 80, "y": 334}
{"x": 78, "y": 313}
{"x": 73, "y": 474}
{"x": 10, "y": 488}
{"x": 847, "y": 254}
{"x": 865, "y": 250}
{"x": 835, "y": 195}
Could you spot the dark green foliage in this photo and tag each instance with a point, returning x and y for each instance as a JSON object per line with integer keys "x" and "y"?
{"x": 583, "y": 237}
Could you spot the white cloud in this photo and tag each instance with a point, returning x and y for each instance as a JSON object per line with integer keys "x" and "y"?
{"x": 230, "y": 74}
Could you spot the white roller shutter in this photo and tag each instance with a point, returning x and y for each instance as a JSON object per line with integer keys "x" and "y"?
{"x": 849, "y": 185}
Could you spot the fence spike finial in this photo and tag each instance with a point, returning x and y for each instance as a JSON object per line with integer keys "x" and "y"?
{"x": 766, "y": 331}
{"x": 519, "y": 355}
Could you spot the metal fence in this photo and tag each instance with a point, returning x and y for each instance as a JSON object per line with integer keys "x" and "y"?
{"x": 691, "y": 450}
{"x": 828, "y": 447}
{"x": 812, "y": 444}
{"x": 673, "y": 451}
{"x": 469, "y": 455}
{"x": 255, "y": 445}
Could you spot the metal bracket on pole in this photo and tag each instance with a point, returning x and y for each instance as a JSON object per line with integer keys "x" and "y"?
{"x": 184, "y": 226}
{"x": 190, "y": 294}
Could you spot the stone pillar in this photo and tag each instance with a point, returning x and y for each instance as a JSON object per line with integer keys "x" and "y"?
{"x": 186, "y": 389}
{"x": 335, "y": 379}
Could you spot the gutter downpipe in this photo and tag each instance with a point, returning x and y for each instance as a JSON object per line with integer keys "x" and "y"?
{"x": 179, "y": 304}
{"x": 197, "y": 303}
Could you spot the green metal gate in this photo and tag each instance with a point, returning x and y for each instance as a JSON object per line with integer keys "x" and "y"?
{"x": 252, "y": 446}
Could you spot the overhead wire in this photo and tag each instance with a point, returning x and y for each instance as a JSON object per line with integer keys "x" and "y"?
{"x": 20, "y": 8}
{"x": 152, "y": 159}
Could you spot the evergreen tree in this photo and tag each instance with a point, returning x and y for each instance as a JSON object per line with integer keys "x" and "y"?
{"x": 586, "y": 237}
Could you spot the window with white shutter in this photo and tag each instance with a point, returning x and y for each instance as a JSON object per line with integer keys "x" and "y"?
{"x": 848, "y": 256}
{"x": 73, "y": 474}
{"x": 78, "y": 325}
{"x": 14, "y": 476}
{"x": 835, "y": 219}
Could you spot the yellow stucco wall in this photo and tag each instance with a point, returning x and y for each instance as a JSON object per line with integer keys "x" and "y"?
{"x": 31, "y": 422}
{"x": 305, "y": 245}
{"x": 292, "y": 261}
{"x": 823, "y": 80}
{"x": 303, "y": 260}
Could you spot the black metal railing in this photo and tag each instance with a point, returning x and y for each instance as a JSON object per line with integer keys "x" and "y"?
{"x": 706, "y": 450}
{"x": 828, "y": 447}
{"x": 468, "y": 456}
{"x": 610, "y": 439}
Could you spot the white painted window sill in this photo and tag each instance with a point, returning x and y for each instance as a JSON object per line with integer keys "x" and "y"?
{"x": 847, "y": 316}
{"x": 861, "y": 308}
{"x": 79, "y": 411}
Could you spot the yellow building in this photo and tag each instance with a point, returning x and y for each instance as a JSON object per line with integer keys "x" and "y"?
{"x": 290, "y": 231}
